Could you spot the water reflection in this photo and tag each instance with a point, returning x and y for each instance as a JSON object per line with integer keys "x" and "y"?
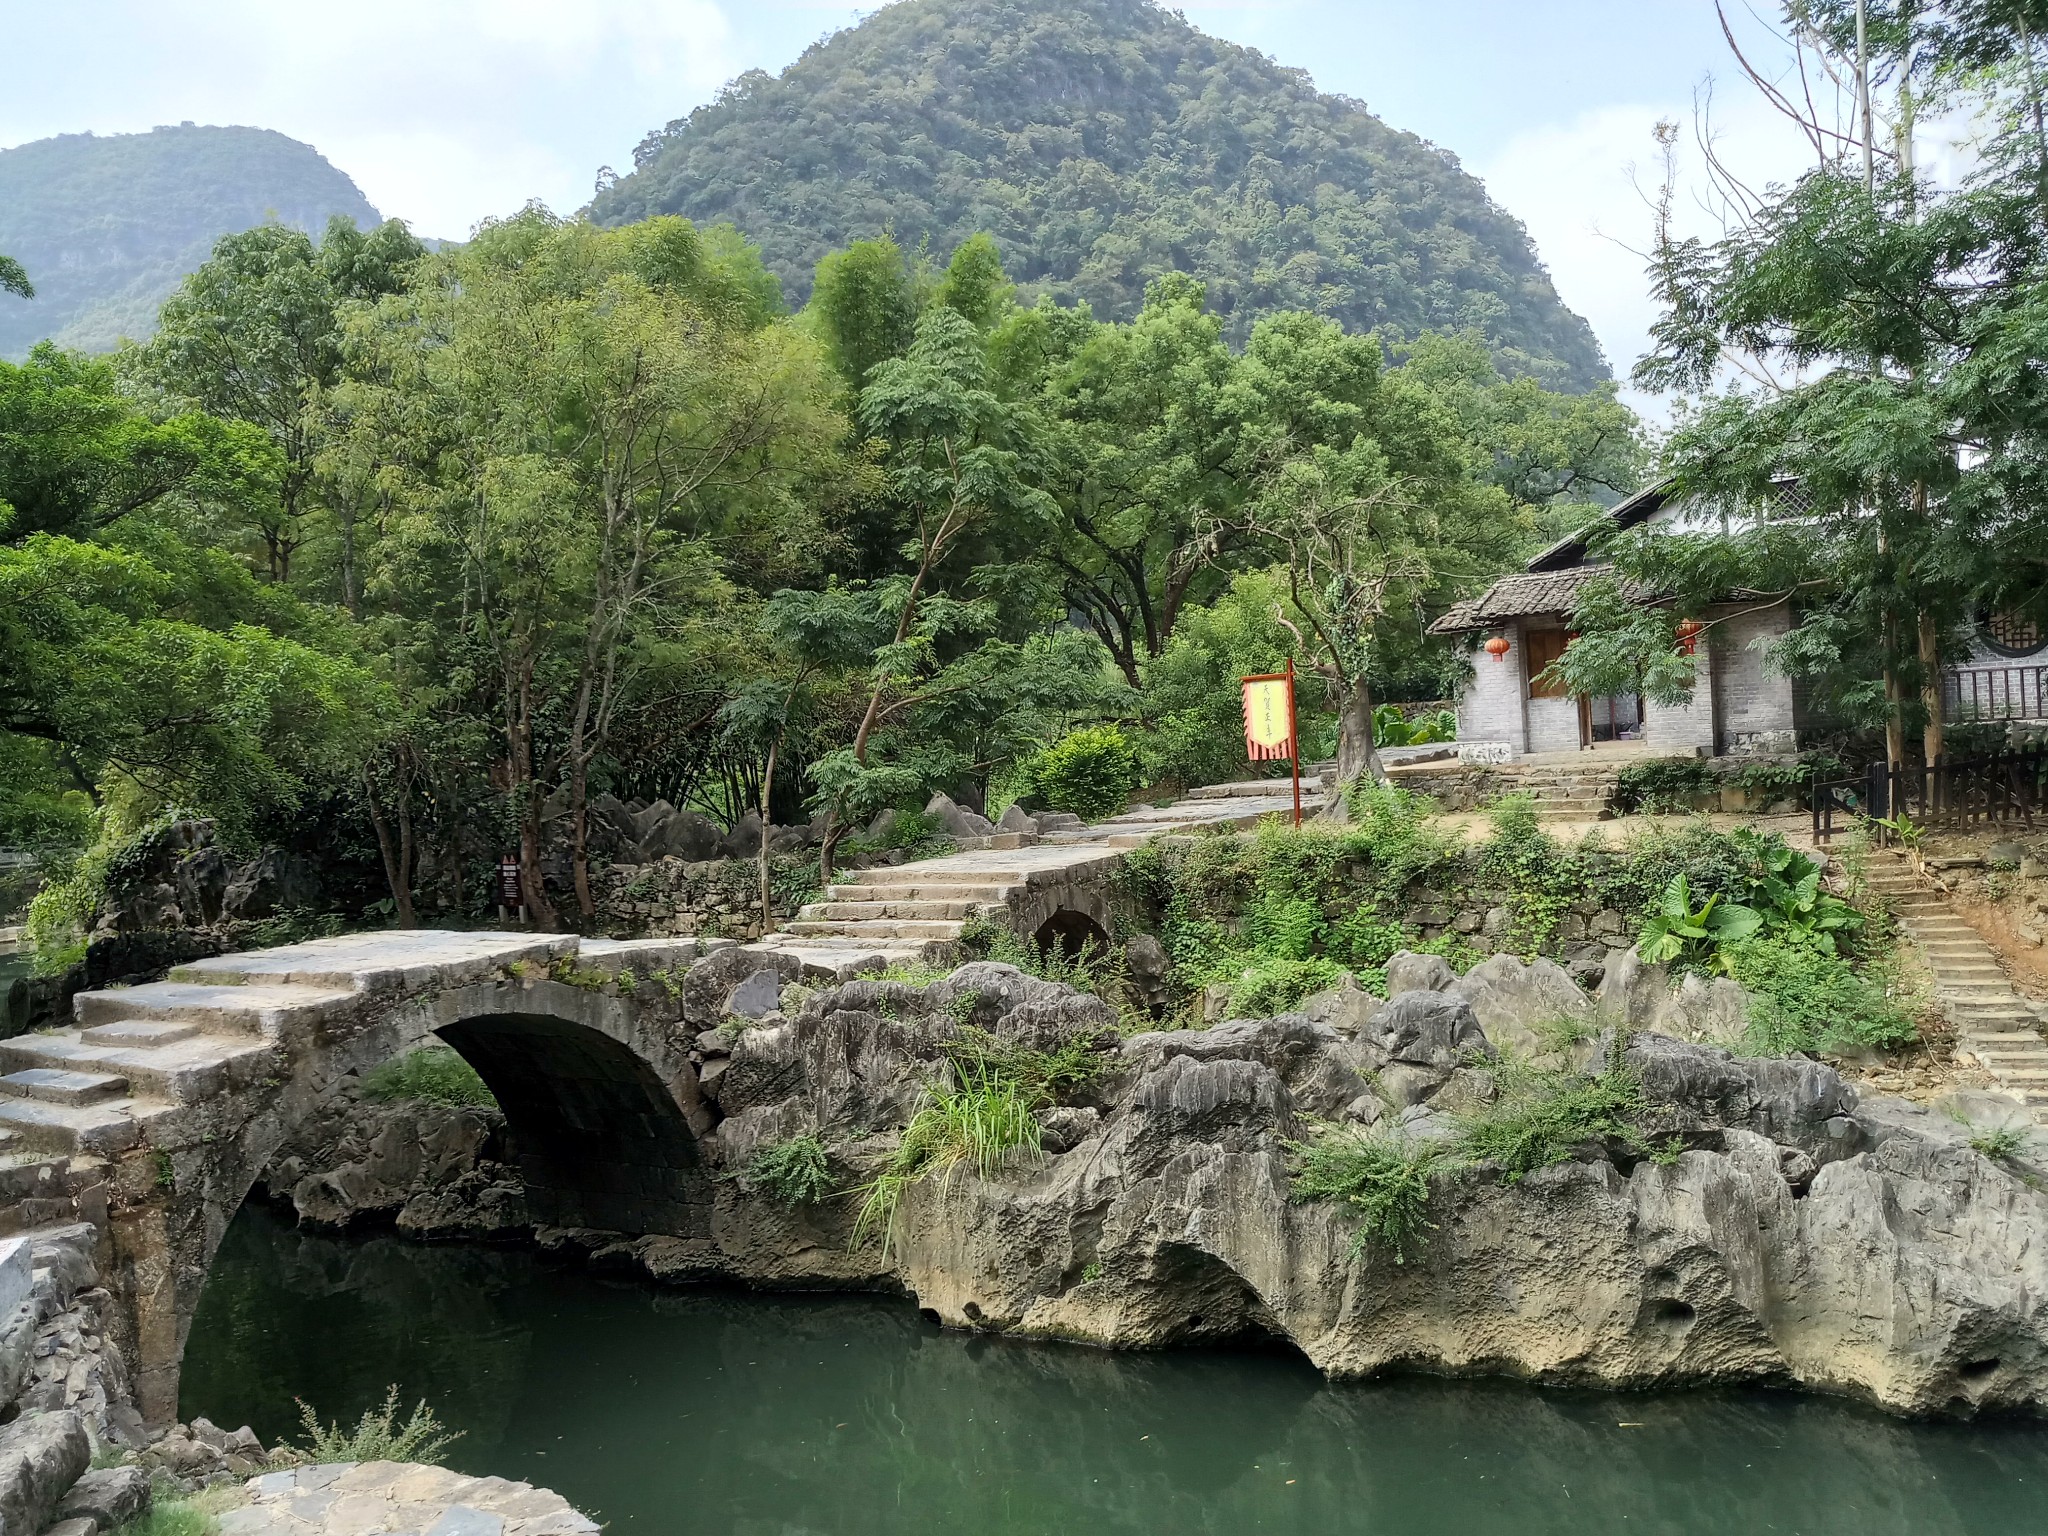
{"x": 700, "y": 1411}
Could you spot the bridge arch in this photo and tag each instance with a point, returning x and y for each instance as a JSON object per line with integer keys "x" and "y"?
{"x": 595, "y": 1079}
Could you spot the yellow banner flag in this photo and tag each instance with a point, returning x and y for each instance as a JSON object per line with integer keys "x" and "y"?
{"x": 1268, "y": 718}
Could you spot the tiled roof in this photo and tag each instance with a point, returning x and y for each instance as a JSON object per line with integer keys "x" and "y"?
{"x": 1518, "y": 597}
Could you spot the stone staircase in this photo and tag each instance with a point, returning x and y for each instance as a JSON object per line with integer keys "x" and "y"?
{"x": 1562, "y": 791}
{"x": 1995, "y": 1026}
{"x": 908, "y": 913}
{"x": 136, "y": 1057}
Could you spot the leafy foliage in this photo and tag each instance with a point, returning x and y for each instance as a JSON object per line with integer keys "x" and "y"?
{"x": 1662, "y": 784}
{"x": 792, "y": 1172}
{"x": 1541, "y": 1118}
{"x": 1103, "y": 143}
{"x": 1384, "y": 1179}
{"x": 1805, "y": 999}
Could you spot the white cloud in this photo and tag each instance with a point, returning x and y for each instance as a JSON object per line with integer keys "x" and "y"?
{"x": 444, "y": 111}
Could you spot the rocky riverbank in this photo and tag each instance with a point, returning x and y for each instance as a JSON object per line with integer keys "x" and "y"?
{"x": 1756, "y": 1221}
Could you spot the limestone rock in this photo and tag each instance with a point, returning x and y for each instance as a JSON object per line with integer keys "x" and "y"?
{"x": 756, "y": 997}
{"x": 1524, "y": 1008}
{"x": 1641, "y": 996}
{"x": 1408, "y": 972}
{"x": 957, "y": 820}
{"x": 1017, "y": 819}
{"x": 107, "y": 1496}
{"x": 41, "y": 1456}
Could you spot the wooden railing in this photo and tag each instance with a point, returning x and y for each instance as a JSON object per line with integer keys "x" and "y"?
{"x": 1996, "y": 693}
{"x": 2009, "y": 785}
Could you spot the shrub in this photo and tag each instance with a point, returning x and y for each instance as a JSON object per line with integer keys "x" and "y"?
{"x": 1541, "y": 1117}
{"x": 1092, "y": 773}
{"x": 1382, "y": 1178}
{"x": 378, "y": 1436}
{"x": 1273, "y": 984}
{"x": 2002, "y": 1144}
{"x": 1662, "y": 785}
{"x": 791, "y": 1173}
{"x": 1804, "y": 999}
{"x": 434, "y": 1075}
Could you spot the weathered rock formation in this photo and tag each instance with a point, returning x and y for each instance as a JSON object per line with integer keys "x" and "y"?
{"x": 1788, "y": 1233}
{"x": 433, "y": 1170}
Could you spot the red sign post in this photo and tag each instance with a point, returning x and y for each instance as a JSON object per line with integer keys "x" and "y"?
{"x": 1270, "y": 730}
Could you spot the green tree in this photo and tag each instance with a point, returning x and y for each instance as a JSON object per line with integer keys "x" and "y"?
{"x": 14, "y": 279}
{"x": 255, "y": 335}
{"x": 865, "y": 305}
{"x": 572, "y": 424}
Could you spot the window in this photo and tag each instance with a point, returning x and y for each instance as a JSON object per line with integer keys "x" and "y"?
{"x": 1540, "y": 647}
{"x": 2011, "y": 634}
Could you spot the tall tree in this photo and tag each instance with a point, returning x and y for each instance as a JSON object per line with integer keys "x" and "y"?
{"x": 569, "y": 421}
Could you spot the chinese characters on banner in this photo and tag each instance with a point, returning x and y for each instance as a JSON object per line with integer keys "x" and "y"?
{"x": 1269, "y": 728}
{"x": 1268, "y": 718}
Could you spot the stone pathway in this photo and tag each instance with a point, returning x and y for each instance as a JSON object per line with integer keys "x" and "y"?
{"x": 392, "y": 1498}
{"x": 899, "y": 911}
{"x": 1995, "y": 1026}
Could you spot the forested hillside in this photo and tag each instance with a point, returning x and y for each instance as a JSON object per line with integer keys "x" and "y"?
{"x": 106, "y": 227}
{"x": 1104, "y": 142}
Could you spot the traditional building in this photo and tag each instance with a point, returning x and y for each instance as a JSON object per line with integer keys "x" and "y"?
{"x": 1737, "y": 708}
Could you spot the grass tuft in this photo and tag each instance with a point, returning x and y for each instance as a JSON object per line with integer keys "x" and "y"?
{"x": 976, "y": 1125}
{"x": 432, "y": 1075}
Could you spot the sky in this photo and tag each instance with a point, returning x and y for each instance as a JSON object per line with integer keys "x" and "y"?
{"x": 448, "y": 111}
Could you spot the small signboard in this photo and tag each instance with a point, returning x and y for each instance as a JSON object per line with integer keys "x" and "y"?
{"x": 509, "y": 896}
{"x": 1269, "y": 726}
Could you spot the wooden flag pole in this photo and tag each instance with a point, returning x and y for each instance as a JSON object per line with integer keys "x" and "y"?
{"x": 1294, "y": 740}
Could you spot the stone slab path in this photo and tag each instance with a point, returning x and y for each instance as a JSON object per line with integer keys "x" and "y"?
{"x": 391, "y": 1498}
{"x": 1995, "y": 1026}
{"x": 899, "y": 912}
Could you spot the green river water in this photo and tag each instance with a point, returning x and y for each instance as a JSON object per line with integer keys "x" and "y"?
{"x": 716, "y": 1411}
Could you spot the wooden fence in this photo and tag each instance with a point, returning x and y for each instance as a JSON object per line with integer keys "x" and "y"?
{"x": 2008, "y": 785}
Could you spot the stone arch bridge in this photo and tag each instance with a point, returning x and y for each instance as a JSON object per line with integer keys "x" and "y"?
{"x": 154, "y": 1114}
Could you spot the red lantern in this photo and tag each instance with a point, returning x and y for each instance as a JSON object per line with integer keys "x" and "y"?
{"x": 1689, "y": 636}
{"x": 1498, "y": 647}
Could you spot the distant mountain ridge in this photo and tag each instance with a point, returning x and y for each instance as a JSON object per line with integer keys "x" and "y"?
{"x": 107, "y": 225}
{"x": 1103, "y": 142}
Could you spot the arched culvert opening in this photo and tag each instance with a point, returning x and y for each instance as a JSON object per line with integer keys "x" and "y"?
{"x": 597, "y": 1138}
{"x": 1071, "y": 933}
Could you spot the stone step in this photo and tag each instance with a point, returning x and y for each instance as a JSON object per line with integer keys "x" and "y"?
{"x": 100, "y": 1129}
{"x": 860, "y": 911}
{"x": 182, "y": 1071}
{"x": 920, "y": 891}
{"x": 893, "y": 928}
{"x": 138, "y": 1032}
{"x": 254, "y": 1009}
{"x": 998, "y": 875}
{"x": 64, "y": 1085}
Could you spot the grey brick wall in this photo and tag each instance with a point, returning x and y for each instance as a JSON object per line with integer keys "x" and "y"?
{"x": 1490, "y": 708}
{"x": 1754, "y": 706}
